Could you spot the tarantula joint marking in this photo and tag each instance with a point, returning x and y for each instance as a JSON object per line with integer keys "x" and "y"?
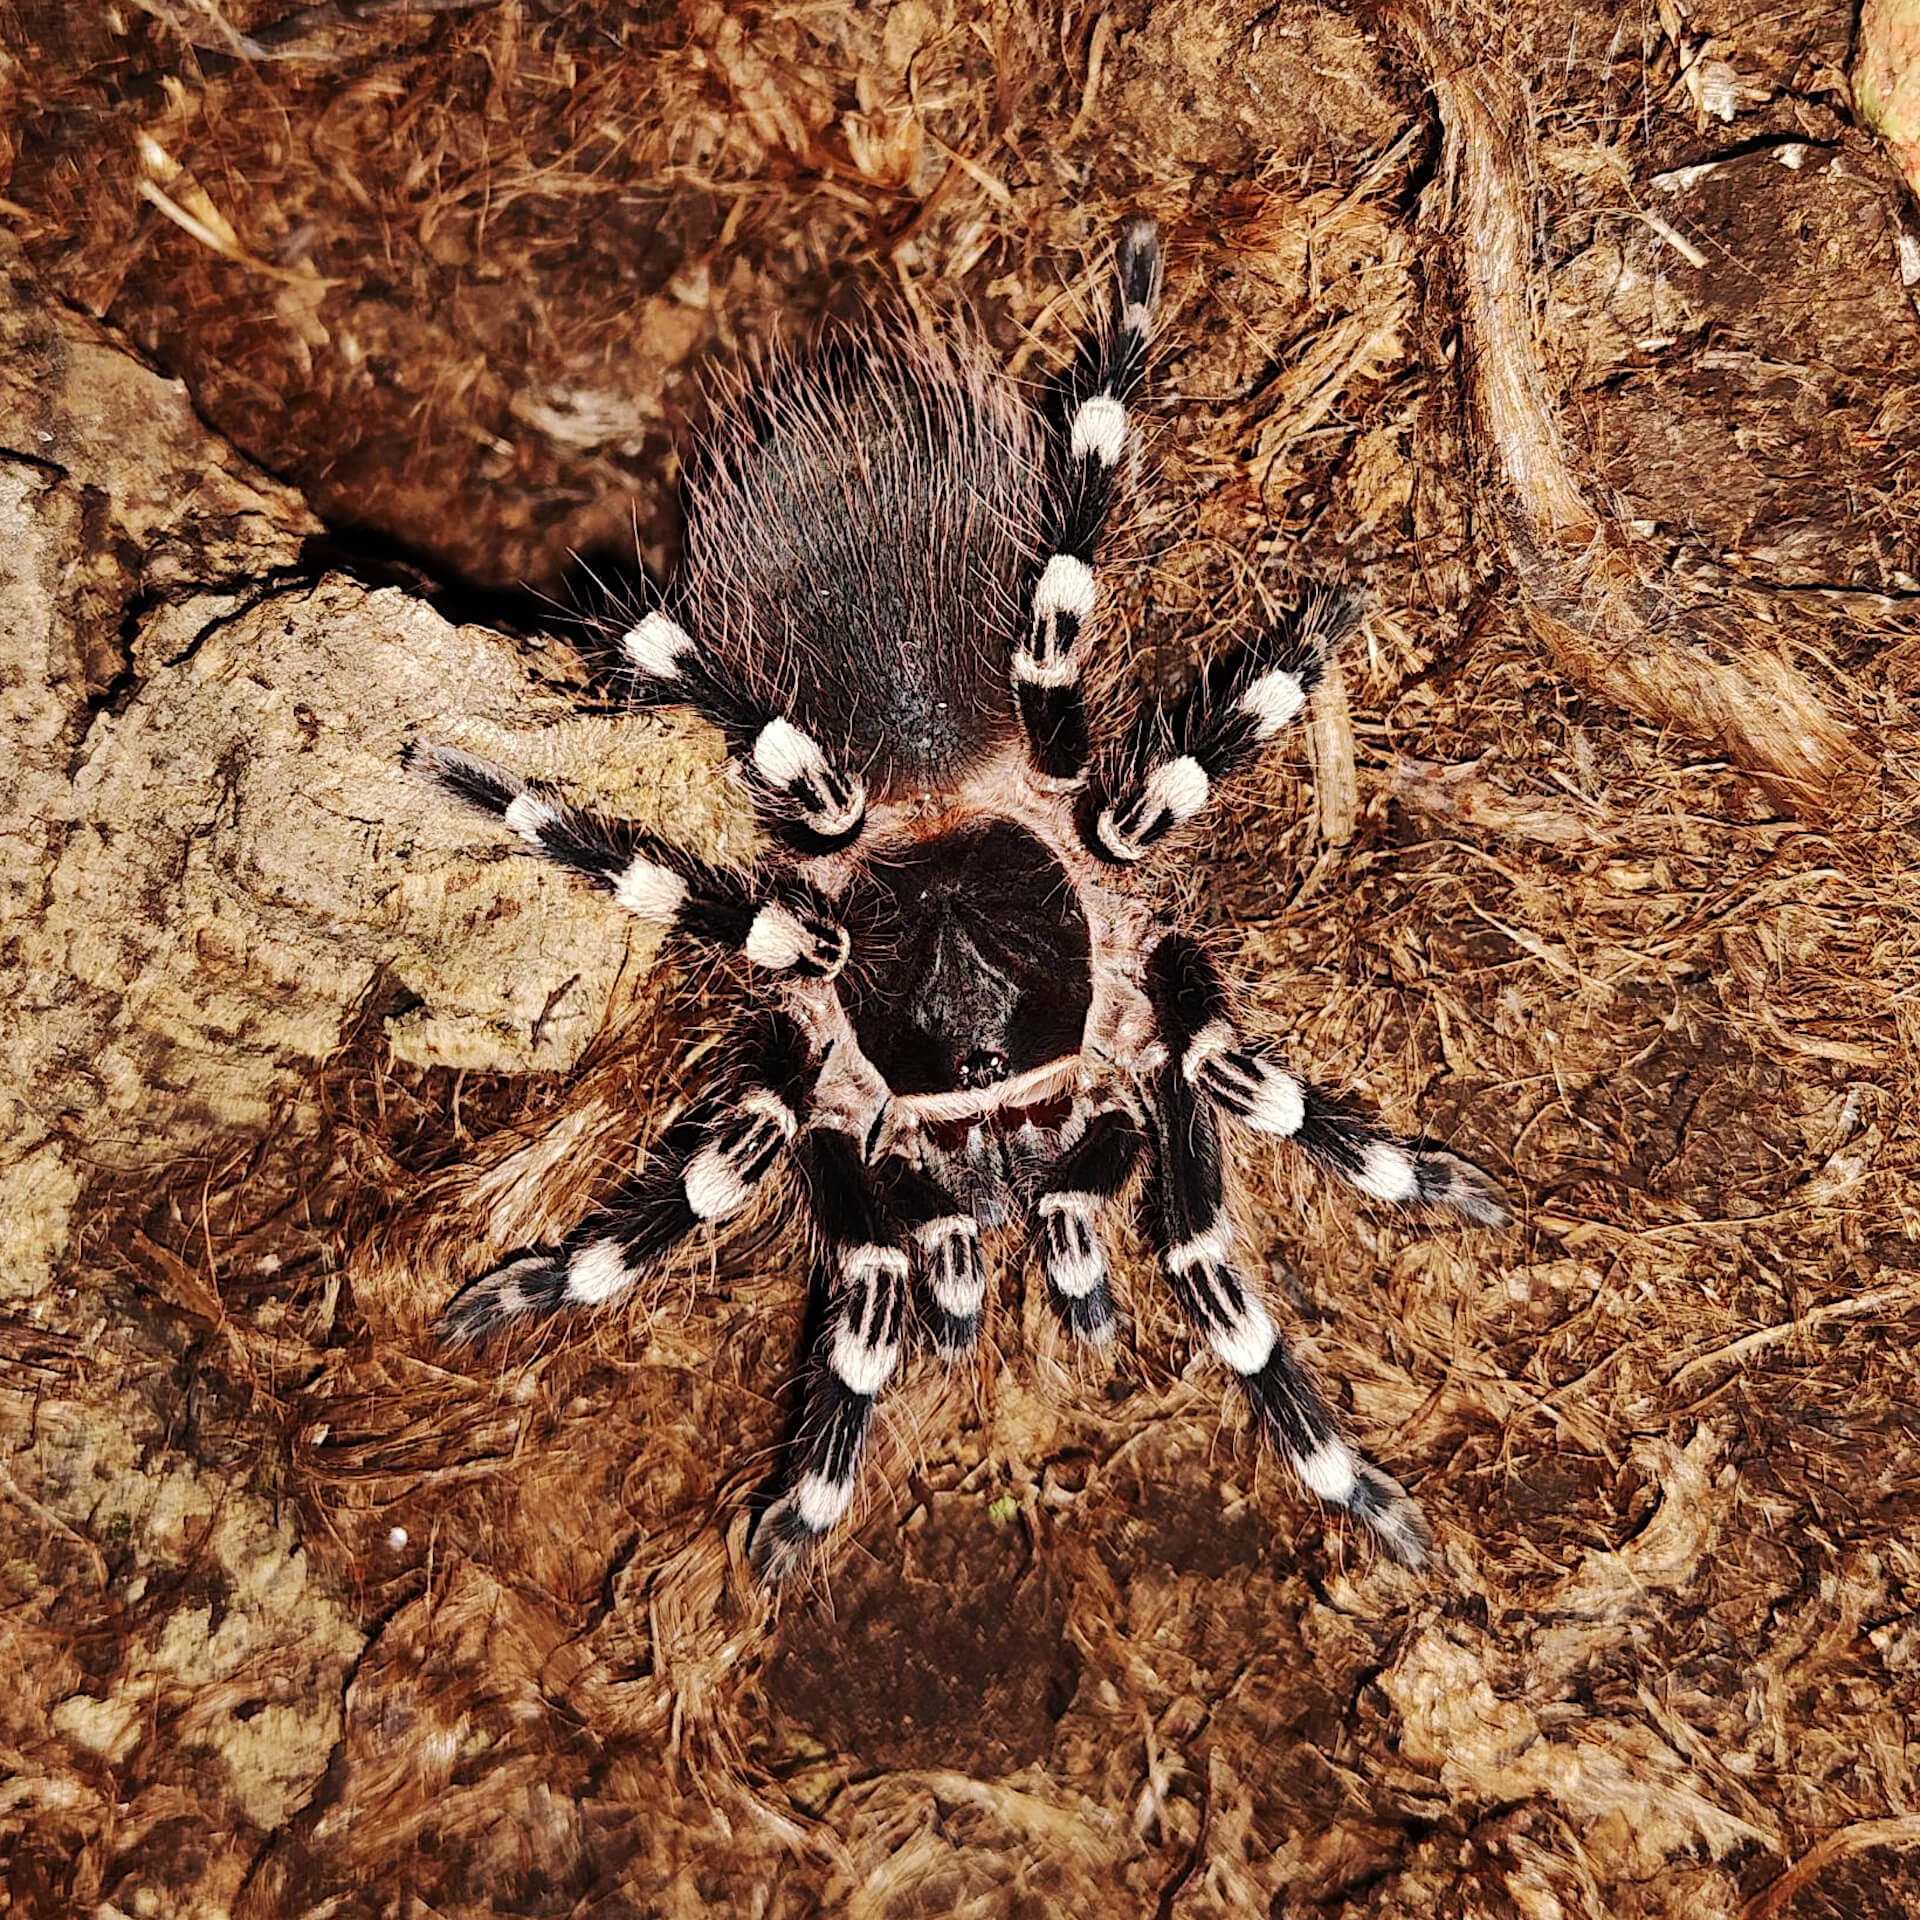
{"x": 886, "y": 606}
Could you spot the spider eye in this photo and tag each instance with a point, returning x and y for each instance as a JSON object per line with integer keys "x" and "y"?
{"x": 983, "y": 1067}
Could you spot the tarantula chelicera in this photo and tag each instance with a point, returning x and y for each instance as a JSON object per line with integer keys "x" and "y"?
{"x": 886, "y": 605}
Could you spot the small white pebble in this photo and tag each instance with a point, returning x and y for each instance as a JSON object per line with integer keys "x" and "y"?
{"x": 397, "y": 1538}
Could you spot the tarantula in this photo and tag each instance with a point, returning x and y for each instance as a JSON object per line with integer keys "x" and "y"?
{"x": 887, "y": 604}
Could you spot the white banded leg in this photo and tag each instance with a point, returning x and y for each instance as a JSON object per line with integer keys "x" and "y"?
{"x": 1352, "y": 1144}
{"x": 1195, "y": 1240}
{"x": 805, "y": 786}
{"x": 783, "y": 928}
{"x": 1074, "y": 1264}
{"x": 661, "y": 653}
{"x": 706, "y": 1169}
{"x": 1072, "y": 1258}
{"x": 800, "y": 786}
{"x": 949, "y": 1271}
{"x": 741, "y": 1148}
{"x": 859, "y": 1349}
{"x": 1241, "y": 1332}
{"x": 606, "y": 1256}
{"x": 1046, "y": 669}
{"x": 1166, "y": 770}
{"x": 1246, "y": 1078}
{"x": 863, "y": 1278}
{"x": 953, "y": 1282}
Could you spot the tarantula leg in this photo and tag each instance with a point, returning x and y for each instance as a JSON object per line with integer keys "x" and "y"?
{"x": 783, "y": 927}
{"x": 817, "y": 805}
{"x": 1046, "y": 670}
{"x": 1246, "y": 1078}
{"x": 1072, "y": 1258}
{"x": 706, "y": 1168}
{"x": 1165, "y": 770}
{"x": 950, "y": 1275}
{"x": 1195, "y": 1240}
{"x": 864, "y": 1281}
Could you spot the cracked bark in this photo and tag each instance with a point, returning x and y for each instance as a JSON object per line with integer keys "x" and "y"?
{"x": 210, "y": 860}
{"x": 210, "y": 853}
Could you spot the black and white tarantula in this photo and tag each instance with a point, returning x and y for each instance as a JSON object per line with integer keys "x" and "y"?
{"x": 887, "y": 602}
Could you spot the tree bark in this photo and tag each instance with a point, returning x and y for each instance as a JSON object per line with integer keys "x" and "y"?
{"x": 212, "y": 854}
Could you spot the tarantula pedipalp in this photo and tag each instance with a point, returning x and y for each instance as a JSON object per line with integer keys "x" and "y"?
{"x": 886, "y": 606}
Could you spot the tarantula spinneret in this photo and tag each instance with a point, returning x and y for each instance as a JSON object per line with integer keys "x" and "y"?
{"x": 971, "y": 1018}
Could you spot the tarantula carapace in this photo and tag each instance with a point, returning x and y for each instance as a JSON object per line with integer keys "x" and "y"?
{"x": 886, "y": 605}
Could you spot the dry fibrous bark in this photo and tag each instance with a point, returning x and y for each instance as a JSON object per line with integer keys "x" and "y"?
{"x": 213, "y": 854}
{"x": 1659, "y": 650}
{"x": 1886, "y": 81}
{"x": 212, "y": 859}
{"x": 127, "y": 530}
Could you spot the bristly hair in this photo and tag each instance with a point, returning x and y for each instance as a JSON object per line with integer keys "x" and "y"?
{"x": 859, "y": 533}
